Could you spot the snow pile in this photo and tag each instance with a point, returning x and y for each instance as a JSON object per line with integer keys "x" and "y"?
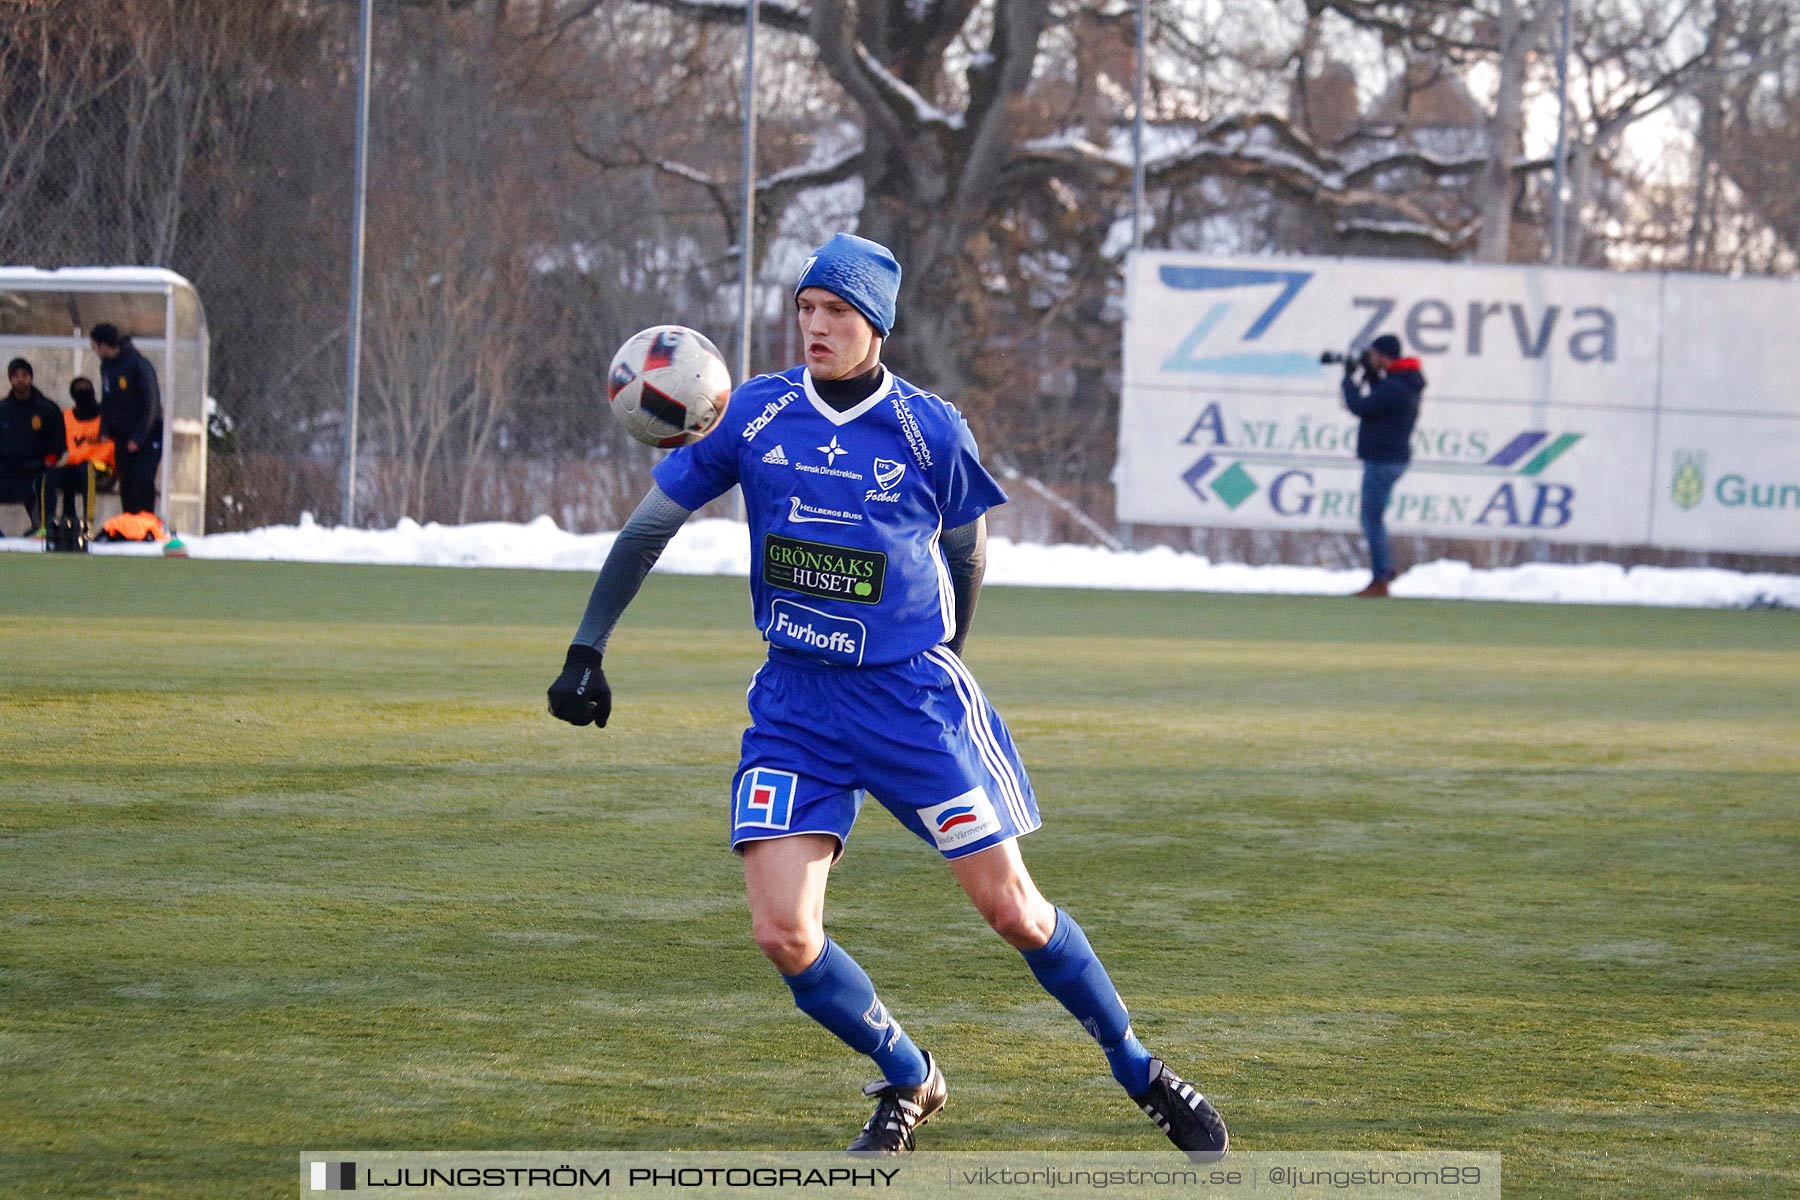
{"x": 715, "y": 547}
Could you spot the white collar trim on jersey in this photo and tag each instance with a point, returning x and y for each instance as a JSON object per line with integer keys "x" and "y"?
{"x": 850, "y": 414}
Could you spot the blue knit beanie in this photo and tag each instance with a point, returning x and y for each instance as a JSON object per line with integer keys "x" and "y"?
{"x": 861, "y": 271}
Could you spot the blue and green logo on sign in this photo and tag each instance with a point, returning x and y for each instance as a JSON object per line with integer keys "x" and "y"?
{"x": 1528, "y": 454}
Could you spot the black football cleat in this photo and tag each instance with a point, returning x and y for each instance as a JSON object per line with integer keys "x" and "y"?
{"x": 899, "y": 1111}
{"x": 1189, "y": 1119}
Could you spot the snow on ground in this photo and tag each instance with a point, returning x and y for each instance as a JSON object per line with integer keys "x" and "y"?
{"x": 715, "y": 547}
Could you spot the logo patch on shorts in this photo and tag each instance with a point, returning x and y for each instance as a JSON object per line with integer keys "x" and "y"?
{"x": 962, "y": 821}
{"x": 765, "y": 799}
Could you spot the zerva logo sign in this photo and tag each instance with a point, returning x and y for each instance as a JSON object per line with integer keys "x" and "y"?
{"x": 1239, "y": 331}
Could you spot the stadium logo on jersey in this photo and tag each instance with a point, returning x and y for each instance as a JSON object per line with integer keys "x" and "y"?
{"x": 820, "y": 635}
{"x": 818, "y": 569}
{"x": 962, "y": 821}
{"x": 765, "y": 799}
{"x": 801, "y": 512}
{"x": 768, "y": 413}
{"x": 776, "y": 457}
{"x": 888, "y": 472}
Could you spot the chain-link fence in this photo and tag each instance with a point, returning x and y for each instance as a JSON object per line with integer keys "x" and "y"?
{"x": 546, "y": 177}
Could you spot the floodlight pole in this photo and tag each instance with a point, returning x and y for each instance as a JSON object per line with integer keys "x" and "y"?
{"x": 353, "y": 366}
{"x": 1137, "y": 131}
{"x": 1558, "y": 219}
{"x": 747, "y": 217}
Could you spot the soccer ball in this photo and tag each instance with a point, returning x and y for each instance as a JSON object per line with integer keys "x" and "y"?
{"x": 669, "y": 385}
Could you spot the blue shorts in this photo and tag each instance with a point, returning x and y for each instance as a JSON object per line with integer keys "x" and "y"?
{"x": 918, "y": 734}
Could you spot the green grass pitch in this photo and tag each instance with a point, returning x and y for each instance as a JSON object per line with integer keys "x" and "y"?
{"x": 291, "y": 857}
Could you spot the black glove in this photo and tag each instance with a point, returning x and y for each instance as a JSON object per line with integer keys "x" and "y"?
{"x": 580, "y": 695}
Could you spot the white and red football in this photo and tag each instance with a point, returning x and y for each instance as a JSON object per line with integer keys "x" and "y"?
{"x": 669, "y": 384}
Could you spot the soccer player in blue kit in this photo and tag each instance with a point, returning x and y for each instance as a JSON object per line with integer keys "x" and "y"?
{"x": 865, "y": 498}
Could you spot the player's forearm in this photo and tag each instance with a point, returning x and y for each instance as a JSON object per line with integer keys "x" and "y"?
{"x": 965, "y": 552}
{"x": 638, "y": 546}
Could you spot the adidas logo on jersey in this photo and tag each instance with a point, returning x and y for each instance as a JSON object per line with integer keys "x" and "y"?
{"x": 776, "y": 456}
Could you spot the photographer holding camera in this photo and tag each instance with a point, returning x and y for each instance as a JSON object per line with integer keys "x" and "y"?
{"x": 1386, "y": 400}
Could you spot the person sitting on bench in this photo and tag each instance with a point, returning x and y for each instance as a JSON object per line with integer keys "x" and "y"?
{"x": 88, "y": 454}
{"x": 31, "y": 439}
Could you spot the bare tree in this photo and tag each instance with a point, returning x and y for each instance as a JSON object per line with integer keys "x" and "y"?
{"x": 1758, "y": 150}
{"x": 56, "y": 67}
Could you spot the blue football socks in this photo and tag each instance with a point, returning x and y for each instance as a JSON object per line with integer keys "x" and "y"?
{"x": 836, "y": 993}
{"x": 1069, "y": 970}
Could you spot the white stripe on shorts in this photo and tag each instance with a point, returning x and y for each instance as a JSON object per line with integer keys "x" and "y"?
{"x": 985, "y": 742}
{"x": 999, "y": 765}
{"x": 946, "y": 593}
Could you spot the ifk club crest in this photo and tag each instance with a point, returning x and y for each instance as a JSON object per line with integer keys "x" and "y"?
{"x": 1689, "y": 484}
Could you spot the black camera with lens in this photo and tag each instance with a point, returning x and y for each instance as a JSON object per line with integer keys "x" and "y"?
{"x": 1360, "y": 358}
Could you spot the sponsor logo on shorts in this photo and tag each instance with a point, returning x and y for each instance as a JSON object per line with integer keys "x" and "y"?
{"x": 962, "y": 814}
{"x": 962, "y": 821}
{"x": 794, "y": 626}
{"x": 765, "y": 799}
{"x": 820, "y": 569}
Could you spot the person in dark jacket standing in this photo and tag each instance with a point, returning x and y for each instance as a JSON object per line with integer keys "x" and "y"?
{"x": 31, "y": 438}
{"x": 1387, "y": 402}
{"x": 131, "y": 415}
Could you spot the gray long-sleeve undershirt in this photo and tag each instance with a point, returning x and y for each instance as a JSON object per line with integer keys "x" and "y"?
{"x": 649, "y": 528}
{"x": 657, "y": 519}
{"x": 965, "y": 553}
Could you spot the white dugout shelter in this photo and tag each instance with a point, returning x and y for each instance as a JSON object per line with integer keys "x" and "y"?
{"x": 45, "y": 317}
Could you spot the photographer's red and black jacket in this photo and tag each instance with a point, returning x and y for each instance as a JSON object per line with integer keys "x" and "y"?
{"x": 1389, "y": 410}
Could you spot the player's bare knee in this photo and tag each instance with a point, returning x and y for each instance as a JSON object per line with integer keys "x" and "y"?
{"x": 1025, "y": 921}
{"x": 791, "y": 945}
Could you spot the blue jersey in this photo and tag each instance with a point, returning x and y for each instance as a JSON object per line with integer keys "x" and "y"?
{"x": 845, "y": 509}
